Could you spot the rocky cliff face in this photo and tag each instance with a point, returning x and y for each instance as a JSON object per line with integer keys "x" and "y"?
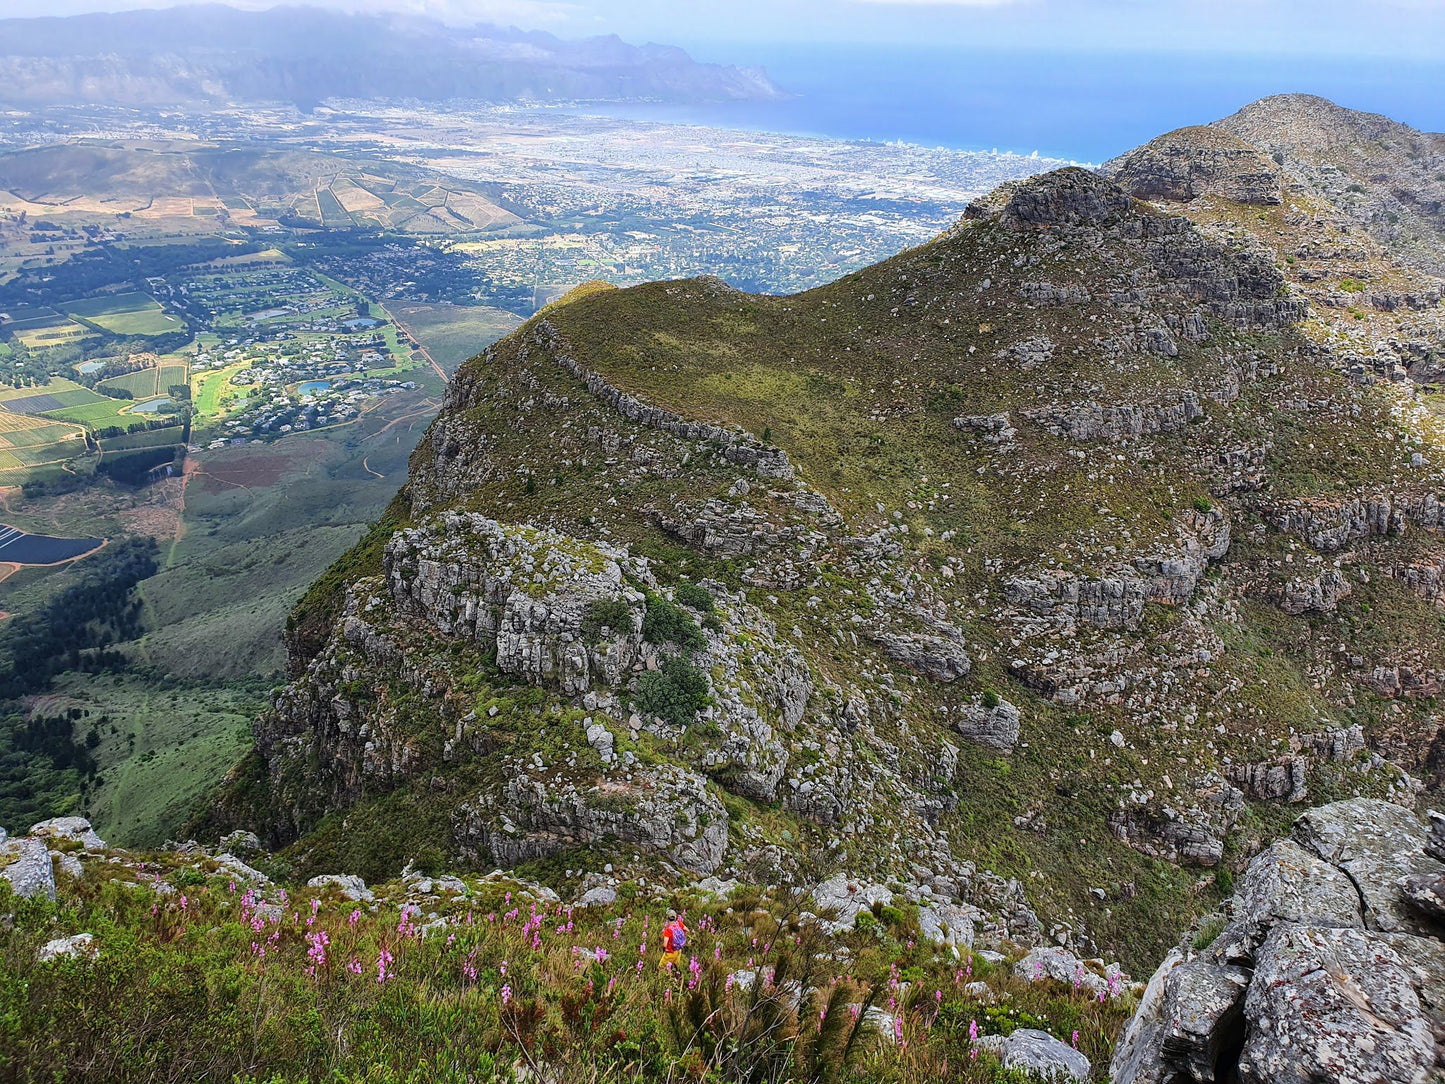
{"x": 1330, "y": 964}
{"x": 1352, "y": 204}
{"x": 1052, "y": 567}
{"x": 1192, "y": 162}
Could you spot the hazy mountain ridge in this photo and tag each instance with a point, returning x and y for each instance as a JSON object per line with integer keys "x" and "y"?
{"x": 211, "y": 55}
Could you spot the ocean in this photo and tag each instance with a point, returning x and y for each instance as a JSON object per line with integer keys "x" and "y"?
{"x": 1084, "y": 107}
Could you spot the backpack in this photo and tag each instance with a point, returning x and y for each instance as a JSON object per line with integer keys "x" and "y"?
{"x": 679, "y": 937}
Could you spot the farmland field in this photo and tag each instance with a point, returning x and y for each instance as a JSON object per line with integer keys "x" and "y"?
{"x": 142, "y": 383}
{"x": 46, "y": 330}
{"x": 65, "y": 400}
{"x": 145, "y": 438}
{"x": 454, "y": 333}
{"x": 27, "y": 441}
{"x": 126, "y": 314}
{"x": 43, "y": 402}
{"x": 97, "y": 412}
{"x": 149, "y": 382}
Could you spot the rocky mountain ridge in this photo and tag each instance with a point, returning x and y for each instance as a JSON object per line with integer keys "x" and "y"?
{"x": 1352, "y": 204}
{"x": 1052, "y": 566}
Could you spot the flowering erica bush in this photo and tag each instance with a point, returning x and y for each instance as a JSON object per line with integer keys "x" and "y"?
{"x": 231, "y": 983}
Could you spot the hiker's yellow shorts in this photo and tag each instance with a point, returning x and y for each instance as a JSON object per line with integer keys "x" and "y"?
{"x": 669, "y": 959}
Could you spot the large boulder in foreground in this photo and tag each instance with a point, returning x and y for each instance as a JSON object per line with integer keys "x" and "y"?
{"x": 25, "y": 863}
{"x": 1328, "y": 967}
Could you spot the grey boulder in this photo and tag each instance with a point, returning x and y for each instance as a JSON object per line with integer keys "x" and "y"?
{"x": 27, "y": 867}
{"x": 349, "y": 885}
{"x": 1038, "y": 1054}
{"x": 1379, "y": 845}
{"x": 1333, "y": 1004}
{"x": 77, "y": 829}
{"x": 80, "y": 944}
{"x": 1330, "y": 970}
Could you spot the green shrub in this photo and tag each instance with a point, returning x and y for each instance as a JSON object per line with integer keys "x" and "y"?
{"x": 1203, "y": 504}
{"x": 675, "y": 693}
{"x": 610, "y": 613}
{"x": 890, "y": 915}
{"x": 990, "y": 699}
{"x": 690, "y": 594}
{"x": 668, "y": 623}
{"x": 865, "y": 921}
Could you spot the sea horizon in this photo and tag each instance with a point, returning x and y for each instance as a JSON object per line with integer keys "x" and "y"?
{"x": 1074, "y": 106}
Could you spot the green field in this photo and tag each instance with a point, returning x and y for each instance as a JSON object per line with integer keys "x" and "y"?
{"x": 54, "y": 333}
{"x": 126, "y": 314}
{"x": 29, "y": 440}
{"x": 455, "y": 333}
{"x": 149, "y": 382}
{"x": 208, "y": 389}
{"x": 98, "y": 412}
{"x": 160, "y": 750}
{"x": 144, "y": 438}
{"x": 142, "y": 383}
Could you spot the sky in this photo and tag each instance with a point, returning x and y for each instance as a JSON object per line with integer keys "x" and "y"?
{"x": 1407, "y": 28}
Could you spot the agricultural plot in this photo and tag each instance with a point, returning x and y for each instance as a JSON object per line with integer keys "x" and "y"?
{"x": 126, "y": 314}
{"x": 365, "y": 199}
{"x": 332, "y": 213}
{"x": 55, "y": 386}
{"x": 143, "y": 383}
{"x": 149, "y": 382}
{"x": 38, "y": 328}
{"x": 45, "y": 402}
{"x": 27, "y": 441}
{"x": 145, "y": 438}
{"x": 98, "y": 415}
{"x": 454, "y": 333}
{"x": 75, "y": 404}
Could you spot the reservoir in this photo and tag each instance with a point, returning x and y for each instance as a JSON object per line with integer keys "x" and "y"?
{"x": 37, "y": 549}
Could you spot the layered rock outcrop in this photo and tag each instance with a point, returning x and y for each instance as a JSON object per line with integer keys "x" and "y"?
{"x": 1193, "y": 162}
{"x": 1326, "y": 968}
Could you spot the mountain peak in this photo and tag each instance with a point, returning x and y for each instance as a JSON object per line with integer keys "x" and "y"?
{"x": 1312, "y": 157}
{"x": 1191, "y": 162}
{"x": 1064, "y": 197}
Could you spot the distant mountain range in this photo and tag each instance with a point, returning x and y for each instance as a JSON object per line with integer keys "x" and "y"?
{"x": 214, "y": 55}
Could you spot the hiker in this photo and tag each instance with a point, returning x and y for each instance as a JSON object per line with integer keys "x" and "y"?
{"x": 674, "y": 940}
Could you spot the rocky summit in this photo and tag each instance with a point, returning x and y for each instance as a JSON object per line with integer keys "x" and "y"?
{"x": 1045, "y": 573}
